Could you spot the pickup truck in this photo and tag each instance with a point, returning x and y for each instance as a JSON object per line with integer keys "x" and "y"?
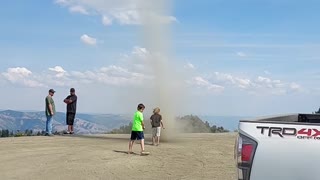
{"x": 284, "y": 147}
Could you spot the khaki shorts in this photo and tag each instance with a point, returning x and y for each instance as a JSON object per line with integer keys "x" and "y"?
{"x": 156, "y": 131}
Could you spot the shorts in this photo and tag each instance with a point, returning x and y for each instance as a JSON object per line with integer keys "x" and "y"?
{"x": 70, "y": 118}
{"x": 137, "y": 135}
{"x": 156, "y": 131}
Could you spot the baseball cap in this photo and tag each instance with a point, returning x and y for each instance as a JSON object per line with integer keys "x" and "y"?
{"x": 52, "y": 91}
{"x": 72, "y": 90}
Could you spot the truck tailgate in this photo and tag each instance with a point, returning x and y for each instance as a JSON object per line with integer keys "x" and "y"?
{"x": 285, "y": 151}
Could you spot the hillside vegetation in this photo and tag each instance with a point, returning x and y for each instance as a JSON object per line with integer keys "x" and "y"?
{"x": 185, "y": 124}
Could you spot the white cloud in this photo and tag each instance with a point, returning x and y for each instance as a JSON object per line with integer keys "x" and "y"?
{"x": 266, "y": 72}
{"x": 241, "y": 54}
{"x": 128, "y": 17}
{"x": 124, "y": 12}
{"x": 106, "y": 20}
{"x": 18, "y": 72}
{"x": 111, "y": 75}
{"x": 22, "y": 76}
{"x": 88, "y": 40}
{"x": 269, "y": 83}
{"x": 139, "y": 59}
{"x": 200, "y": 82}
{"x": 189, "y": 66}
{"x": 57, "y": 69}
{"x": 259, "y": 85}
{"x": 140, "y": 52}
{"x": 78, "y": 9}
{"x": 152, "y": 16}
{"x": 62, "y": 2}
{"x": 295, "y": 86}
{"x": 60, "y": 72}
{"x": 229, "y": 79}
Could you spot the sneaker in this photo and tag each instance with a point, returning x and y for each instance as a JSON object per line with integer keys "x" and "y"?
{"x": 144, "y": 153}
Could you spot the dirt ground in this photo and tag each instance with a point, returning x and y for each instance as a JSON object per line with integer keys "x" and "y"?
{"x": 192, "y": 156}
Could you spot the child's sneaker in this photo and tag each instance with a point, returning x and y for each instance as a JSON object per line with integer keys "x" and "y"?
{"x": 144, "y": 153}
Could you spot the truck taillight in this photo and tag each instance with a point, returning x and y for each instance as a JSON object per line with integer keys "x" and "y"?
{"x": 247, "y": 150}
{"x": 244, "y": 153}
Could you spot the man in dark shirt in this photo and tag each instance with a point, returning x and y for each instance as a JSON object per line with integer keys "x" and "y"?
{"x": 71, "y": 102}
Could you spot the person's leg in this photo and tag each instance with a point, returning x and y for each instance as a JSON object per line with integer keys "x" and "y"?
{"x": 131, "y": 142}
{"x": 49, "y": 120}
{"x": 72, "y": 116}
{"x": 154, "y": 136}
{"x": 158, "y": 135}
{"x": 47, "y": 125}
{"x": 142, "y": 145}
{"x": 141, "y": 138}
{"x": 67, "y": 122}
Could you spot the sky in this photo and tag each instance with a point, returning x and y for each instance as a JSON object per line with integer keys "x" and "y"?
{"x": 232, "y": 57}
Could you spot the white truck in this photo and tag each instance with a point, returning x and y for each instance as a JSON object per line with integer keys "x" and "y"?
{"x": 285, "y": 147}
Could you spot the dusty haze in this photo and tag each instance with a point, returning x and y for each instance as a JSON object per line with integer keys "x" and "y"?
{"x": 168, "y": 87}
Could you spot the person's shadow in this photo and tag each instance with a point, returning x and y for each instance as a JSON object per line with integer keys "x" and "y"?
{"x": 148, "y": 144}
{"x": 125, "y": 152}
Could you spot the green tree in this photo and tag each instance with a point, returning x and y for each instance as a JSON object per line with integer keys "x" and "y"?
{"x": 28, "y": 132}
{"x": 5, "y": 133}
{"x": 207, "y": 124}
{"x": 213, "y": 129}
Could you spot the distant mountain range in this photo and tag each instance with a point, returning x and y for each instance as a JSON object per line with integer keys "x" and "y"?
{"x": 84, "y": 123}
{"x": 88, "y": 123}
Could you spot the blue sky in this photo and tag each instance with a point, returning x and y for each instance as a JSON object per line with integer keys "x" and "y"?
{"x": 244, "y": 57}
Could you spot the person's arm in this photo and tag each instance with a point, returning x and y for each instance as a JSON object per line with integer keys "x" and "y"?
{"x": 72, "y": 99}
{"x": 142, "y": 123}
{"x": 51, "y": 109}
{"x": 50, "y": 106}
{"x": 67, "y": 100}
{"x": 162, "y": 124}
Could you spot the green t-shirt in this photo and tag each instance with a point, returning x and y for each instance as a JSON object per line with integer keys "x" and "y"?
{"x": 49, "y": 100}
{"x": 137, "y": 120}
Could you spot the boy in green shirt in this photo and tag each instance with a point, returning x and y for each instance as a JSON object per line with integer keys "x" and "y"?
{"x": 137, "y": 129}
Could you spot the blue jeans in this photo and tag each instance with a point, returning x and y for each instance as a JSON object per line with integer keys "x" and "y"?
{"x": 49, "y": 125}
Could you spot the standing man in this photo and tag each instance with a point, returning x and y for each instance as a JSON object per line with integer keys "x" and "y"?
{"x": 71, "y": 102}
{"x": 50, "y": 111}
